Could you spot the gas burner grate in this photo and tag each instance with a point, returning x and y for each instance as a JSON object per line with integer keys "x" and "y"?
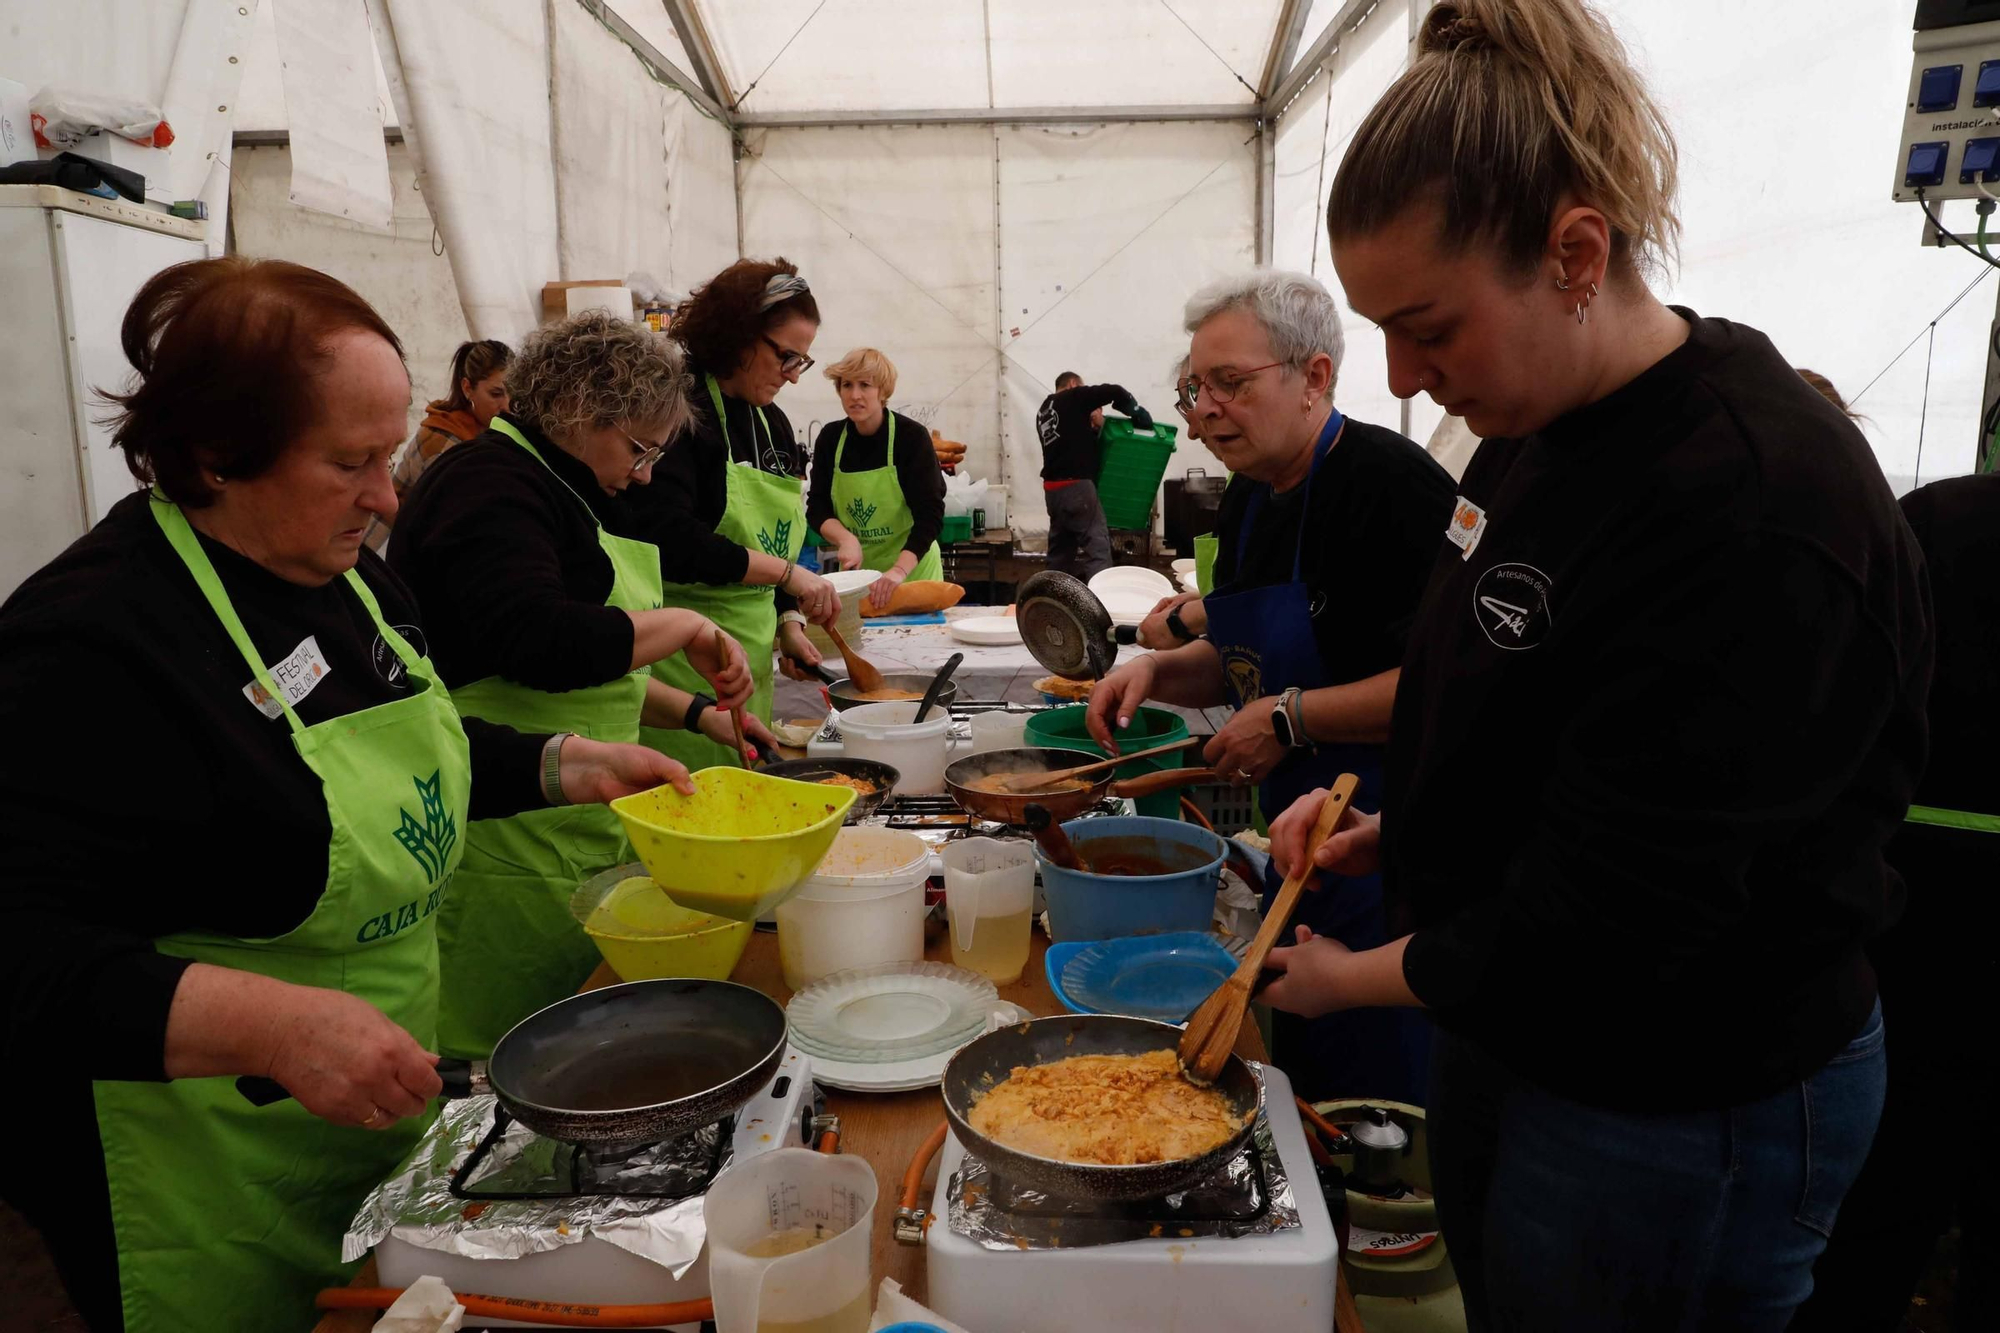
{"x": 675, "y": 1169}
{"x": 1237, "y": 1193}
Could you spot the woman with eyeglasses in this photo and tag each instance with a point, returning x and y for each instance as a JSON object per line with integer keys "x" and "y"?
{"x": 548, "y": 622}
{"x": 1325, "y": 540}
{"x": 727, "y": 508}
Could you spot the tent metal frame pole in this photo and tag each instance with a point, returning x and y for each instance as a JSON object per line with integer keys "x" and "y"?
{"x": 1285, "y": 39}
{"x": 975, "y": 115}
{"x": 1345, "y": 21}
{"x": 707, "y": 65}
{"x": 693, "y": 87}
{"x": 1267, "y": 184}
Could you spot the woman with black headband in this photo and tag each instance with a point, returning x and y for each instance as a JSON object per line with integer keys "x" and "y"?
{"x": 727, "y": 507}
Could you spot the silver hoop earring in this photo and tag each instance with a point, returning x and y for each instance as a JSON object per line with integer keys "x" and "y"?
{"x": 1562, "y": 282}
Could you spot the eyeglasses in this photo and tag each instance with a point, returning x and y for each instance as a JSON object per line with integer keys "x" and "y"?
{"x": 643, "y": 455}
{"x": 1220, "y": 389}
{"x": 789, "y": 363}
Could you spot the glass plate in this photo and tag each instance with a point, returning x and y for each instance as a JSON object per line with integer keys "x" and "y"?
{"x": 1164, "y": 977}
{"x": 898, "y": 1011}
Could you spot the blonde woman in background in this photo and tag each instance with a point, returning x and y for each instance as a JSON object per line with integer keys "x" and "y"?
{"x": 876, "y": 492}
{"x": 478, "y": 391}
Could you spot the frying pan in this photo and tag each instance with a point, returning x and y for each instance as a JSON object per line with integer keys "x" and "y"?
{"x": 988, "y": 1060}
{"x": 868, "y": 770}
{"x": 1008, "y": 808}
{"x": 844, "y": 697}
{"x": 622, "y": 1066}
{"x": 1066, "y": 628}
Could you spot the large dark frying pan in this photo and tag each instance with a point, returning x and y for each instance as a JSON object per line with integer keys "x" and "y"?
{"x": 842, "y": 691}
{"x": 989, "y": 1060}
{"x": 1004, "y": 808}
{"x": 1066, "y": 628}
{"x": 884, "y": 776}
{"x": 621, "y": 1066}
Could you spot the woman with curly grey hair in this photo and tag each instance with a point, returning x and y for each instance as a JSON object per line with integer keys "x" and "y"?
{"x": 550, "y": 623}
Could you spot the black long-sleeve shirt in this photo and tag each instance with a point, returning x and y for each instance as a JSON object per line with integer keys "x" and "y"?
{"x": 916, "y": 469}
{"x": 149, "y": 795}
{"x": 1653, "y": 733}
{"x": 508, "y": 562}
{"x": 678, "y": 511}
{"x": 1070, "y": 448}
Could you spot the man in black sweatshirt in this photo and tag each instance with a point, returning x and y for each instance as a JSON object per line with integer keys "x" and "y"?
{"x": 1079, "y": 539}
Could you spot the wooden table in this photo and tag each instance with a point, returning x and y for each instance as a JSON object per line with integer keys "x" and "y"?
{"x": 886, "y": 1129}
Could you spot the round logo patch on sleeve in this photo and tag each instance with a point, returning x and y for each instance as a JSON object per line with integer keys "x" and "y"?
{"x": 1511, "y": 603}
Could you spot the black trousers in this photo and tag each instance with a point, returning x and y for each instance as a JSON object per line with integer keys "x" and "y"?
{"x": 1079, "y": 538}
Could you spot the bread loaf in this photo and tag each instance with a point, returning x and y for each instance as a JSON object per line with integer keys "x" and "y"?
{"x": 911, "y": 599}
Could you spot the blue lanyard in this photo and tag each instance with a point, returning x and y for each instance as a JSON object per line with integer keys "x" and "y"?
{"x": 1321, "y": 448}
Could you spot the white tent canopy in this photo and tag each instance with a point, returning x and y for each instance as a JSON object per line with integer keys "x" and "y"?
{"x": 994, "y": 191}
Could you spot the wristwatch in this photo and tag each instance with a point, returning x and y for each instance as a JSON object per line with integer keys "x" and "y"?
{"x": 1288, "y": 721}
{"x": 1179, "y": 627}
{"x": 700, "y": 704}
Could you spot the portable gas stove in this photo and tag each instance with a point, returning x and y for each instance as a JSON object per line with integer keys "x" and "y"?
{"x": 526, "y": 1217}
{"x": 1207, "y": 1258}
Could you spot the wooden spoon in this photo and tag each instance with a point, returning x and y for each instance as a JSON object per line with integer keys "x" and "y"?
{"x": 742, "y": 747}
{"x": 1020, "y": 783}
{"x": 859, "y": 669}
{"x": 1055, "y": 844}
{"x": 1211, "y": 1032}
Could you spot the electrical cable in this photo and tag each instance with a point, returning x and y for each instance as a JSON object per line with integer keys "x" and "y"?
{"x": 1963, "y": 292}
{"x": 1956, "y": 240}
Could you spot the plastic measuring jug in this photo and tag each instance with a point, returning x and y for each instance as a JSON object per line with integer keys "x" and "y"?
{"x": 764, "y": 1205}
{"x": 989, "y": 896}
{"x": 998, "y": 730}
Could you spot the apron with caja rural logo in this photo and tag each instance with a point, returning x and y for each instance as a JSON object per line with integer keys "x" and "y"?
{"x": 763, "y": 512}
{"x": 228, "y": 1214}
{"x": 873, "y": 507}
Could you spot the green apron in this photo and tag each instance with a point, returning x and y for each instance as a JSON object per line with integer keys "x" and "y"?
{"x": 1958, "y": 819}
{"x": 507, "y": 944}
{"x": 872, "y": 506}
{"x": 228, "y": 1214}
{"x": 765, "y": 513}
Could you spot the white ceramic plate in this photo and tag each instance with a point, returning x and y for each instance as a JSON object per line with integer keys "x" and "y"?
{"x": 847, "y": 582}
{"x": 1184, "y": 565}
{"x": 905, "y": 1075}
{"x": 1127, "y": 608}
{"x": 890, "y": 1013}
{"x": 986, "y": 631}
{"x": 1134, "y": 579}
{"x": 1188, "y": 583}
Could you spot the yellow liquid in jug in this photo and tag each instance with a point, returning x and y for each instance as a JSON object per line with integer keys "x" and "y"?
{"x": 849, "y": 1318}
{"x": 999, "y": 946}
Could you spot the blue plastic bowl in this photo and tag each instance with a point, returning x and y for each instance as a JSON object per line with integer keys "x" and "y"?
{"x": 1101, "y": 907}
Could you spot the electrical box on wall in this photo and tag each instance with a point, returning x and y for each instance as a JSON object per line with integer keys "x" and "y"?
{"x": 1950, "y": 147}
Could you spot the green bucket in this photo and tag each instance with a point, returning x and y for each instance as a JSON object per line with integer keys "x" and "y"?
{"x": 1063, "y": 729}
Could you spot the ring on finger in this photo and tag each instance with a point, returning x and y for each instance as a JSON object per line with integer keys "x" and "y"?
{"x": 376, "y": 1117}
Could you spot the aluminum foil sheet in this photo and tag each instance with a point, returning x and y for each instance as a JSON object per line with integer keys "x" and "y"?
{"x": 417, "y": 1204}
{"x": 1000, "y": 1216}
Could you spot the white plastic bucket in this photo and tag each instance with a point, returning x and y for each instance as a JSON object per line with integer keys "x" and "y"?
{"x": 998, "y": 730}
{"x": 863, "y": 906}
{"x": 917, "y": 750}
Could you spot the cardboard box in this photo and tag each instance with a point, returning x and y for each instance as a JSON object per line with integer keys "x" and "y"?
{"x": 555, "y": 295}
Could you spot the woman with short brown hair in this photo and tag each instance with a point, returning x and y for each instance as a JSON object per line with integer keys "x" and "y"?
{"x": 247, "y": 801}
{"x": 1660, "y": 711}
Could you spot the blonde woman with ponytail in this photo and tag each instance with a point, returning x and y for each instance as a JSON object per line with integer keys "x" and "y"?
{"x": 1661, "y": 709}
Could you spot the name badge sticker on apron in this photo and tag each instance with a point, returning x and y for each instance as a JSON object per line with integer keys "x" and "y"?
{"x": 1467, "y": 526}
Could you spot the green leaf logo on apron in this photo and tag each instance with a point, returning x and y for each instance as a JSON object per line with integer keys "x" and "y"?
{"x": 875, "y": 494}
{"x": 431, "y": 841}
{"x": 779, "y": 543}
{"x": 860, "y": 513}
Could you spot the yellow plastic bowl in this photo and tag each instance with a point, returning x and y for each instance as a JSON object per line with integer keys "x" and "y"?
{"x": 740, "y": 845}
{"x": 644, "y": 935}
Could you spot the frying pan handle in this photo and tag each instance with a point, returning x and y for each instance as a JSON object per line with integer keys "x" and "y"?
{"x": 1124, "y": 634}
{"x": 461, "y": 1078}
{"x": 1146, "y": 784}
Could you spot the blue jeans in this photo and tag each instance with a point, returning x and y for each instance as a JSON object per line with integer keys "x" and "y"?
{"x": 1563, "y": 1217}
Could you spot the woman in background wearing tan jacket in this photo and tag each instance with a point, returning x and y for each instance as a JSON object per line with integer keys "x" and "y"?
{"x": 478, "y": 391}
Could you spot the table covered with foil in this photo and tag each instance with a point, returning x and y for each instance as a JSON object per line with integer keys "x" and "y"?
{"x": 417, "y": 1205}
{"x": 1000, "y": 1215}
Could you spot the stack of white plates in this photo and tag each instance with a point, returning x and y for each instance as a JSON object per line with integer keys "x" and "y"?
{"x": 985, "y": 631}
{"x": 1130, "y": 592}
{"x": 895, "y": 1026}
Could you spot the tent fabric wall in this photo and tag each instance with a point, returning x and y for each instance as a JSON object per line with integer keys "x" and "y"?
{"x": 397, "y": 271}
{"x": 1104, "y": 231}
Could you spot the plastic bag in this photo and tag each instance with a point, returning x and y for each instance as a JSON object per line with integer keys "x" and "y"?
{"x": 962, "y": 495}
{"x": 62, "y": 117}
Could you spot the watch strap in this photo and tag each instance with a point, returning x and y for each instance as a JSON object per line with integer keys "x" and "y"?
{"x": 701, "y": 703}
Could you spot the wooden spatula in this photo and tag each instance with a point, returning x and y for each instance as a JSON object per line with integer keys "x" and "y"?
{"x": 742, "y": 746}
{"x": 859, "y": 669}
{"x": 1211, "y": 1033}
{"x": 1022, "y": 783}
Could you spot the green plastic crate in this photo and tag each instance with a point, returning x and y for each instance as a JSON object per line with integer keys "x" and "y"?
{"x": 957, "y": 528}
{"x": 1134, "y": 463}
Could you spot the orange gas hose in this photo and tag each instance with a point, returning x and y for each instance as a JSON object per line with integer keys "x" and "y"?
{"x": 558, "y": 1314}
{"x": 1320, "y": 1122}
{"x": 829, "y": 1142}
{"x": 1195, "y": 816}
{"x": 913, "y": 1179}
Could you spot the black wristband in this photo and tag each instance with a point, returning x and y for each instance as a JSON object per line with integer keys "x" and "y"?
{"x": 1179, "y": 627}
{"x": 700, "y": 704}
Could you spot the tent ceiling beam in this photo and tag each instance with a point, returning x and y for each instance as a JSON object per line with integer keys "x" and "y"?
{"x": 391, "y": 134}
{"x": 980, "y": 115}
{"x": 1291, "y": 30}
{"x": 707, "y": 65}
{"x": 695, "y": 88}
{"x": 1345, "y": 21}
